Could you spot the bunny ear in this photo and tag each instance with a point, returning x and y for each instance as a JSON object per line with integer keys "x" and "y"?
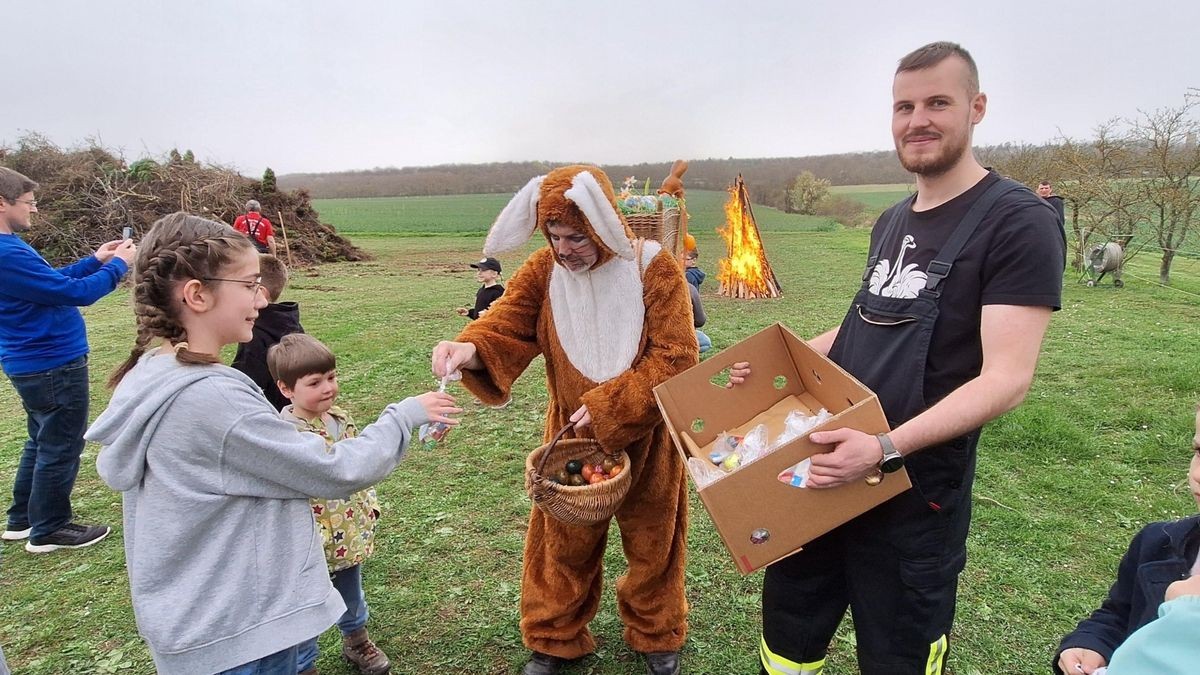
{"x": 516, "y": 222}
{"x": 595, "y": 206}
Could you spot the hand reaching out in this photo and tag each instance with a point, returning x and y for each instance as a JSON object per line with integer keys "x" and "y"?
{"x": 439, "y": 406}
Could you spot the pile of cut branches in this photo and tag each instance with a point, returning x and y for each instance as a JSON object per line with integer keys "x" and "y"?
{"x": 87, "y": 195}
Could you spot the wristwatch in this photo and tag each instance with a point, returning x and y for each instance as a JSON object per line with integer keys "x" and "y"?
{"x": 892, "y": 459}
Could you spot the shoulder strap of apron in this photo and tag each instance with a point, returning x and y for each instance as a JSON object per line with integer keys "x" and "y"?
{"x": 939, "y": 268}
{"x": 900, "y": 208}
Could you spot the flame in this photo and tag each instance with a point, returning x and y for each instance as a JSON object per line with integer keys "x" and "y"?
{"x": 747, "y": 261}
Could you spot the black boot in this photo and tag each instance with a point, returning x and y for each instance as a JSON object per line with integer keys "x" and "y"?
{"x": 662, "y": 663}
{"x": 543, "y": 664}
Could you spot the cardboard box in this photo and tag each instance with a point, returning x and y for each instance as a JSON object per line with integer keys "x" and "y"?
{"x": 760, "y": 518}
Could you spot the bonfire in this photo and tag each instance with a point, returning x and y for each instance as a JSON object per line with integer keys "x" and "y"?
{"x": 745, "y": 273}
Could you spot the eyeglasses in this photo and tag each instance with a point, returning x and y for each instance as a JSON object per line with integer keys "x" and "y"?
{"x": 253, "y": 286}
{"x": 31, "y": 202}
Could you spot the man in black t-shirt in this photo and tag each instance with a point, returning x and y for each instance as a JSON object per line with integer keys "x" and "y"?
{"x": 946, "y": 329}
{"x": 1046, "y": 191}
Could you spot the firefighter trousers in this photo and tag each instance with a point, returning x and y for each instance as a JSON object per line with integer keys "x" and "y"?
{"x": 896, "y": 567}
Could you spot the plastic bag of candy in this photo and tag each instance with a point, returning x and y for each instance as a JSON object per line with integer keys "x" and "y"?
{"x": 798, "y": 424}
{"x": 703, "y": 473}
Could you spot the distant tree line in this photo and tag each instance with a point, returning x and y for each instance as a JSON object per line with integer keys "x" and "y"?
{"x": 769, "y": 179}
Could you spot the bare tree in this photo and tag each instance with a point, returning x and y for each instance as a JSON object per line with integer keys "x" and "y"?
{"x": 1097, "y": 178}
{"x": 1170, "y": 157}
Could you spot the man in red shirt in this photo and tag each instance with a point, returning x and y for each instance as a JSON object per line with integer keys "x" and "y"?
{"x": 254, "y": 225}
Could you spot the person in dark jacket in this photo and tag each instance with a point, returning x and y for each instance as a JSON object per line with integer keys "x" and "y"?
{"x": 1160, "y": 554}
{"x": 487, "y": 272}
{"x": 274, "y": 321}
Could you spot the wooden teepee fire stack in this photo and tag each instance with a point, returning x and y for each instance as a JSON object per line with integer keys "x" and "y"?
{"x": 745, "y": 273}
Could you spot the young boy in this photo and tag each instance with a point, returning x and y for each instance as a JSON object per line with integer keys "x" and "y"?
{"x": 691, "y": 268}
{"x": 1160, "y": 554}
{"x": 305, "y": 372}
{"x": 487, "y": 273}
{"x": 274, "y": 321}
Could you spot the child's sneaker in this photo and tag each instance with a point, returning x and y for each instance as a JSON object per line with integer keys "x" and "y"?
{"x": 71, "y": 535}
{"x": 16, "y": 533}
{"x": 359, "y": 650}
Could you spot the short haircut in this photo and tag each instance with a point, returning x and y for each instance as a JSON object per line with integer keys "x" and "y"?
{"x": 274, "y": 275}
{"x": 297, "y": 355}
{"x": 934, "y": 53}
{"x": 1045, "y": 182}
{"x": 13, "y": 184}
{"x": 253, "y": 205}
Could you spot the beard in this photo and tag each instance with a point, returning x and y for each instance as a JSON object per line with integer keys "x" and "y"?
{"x": 950, "y": 152}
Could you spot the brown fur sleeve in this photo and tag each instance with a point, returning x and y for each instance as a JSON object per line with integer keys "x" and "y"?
{"x": 505, "y": 338}
{"x": 623, "y": 409}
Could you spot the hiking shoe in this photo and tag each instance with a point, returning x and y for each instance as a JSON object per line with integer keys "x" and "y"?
{"x": 544, "y": 664}
{"x": 15, "y": 534}
{"x": 662, "y": 663}
{"x": 359, "y": 650}
{"x": 309, "y": 671}
{"x": 71, "y": 535}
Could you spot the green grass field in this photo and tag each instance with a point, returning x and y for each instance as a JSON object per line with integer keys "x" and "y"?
{"x": 1100, "y": 447}
{"x": 475, "y": 213}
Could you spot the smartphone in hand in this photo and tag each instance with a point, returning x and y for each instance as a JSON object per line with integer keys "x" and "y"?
{"x": 127, "y": 232}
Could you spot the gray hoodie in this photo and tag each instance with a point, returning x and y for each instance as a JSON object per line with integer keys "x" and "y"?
{"x": 225, "y": 562}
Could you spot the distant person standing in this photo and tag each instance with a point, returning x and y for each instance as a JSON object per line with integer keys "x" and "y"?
{"x": 487, "y": 273}
{"x": 1046, "y": 191}
{"x": 254, "y": 225}
{"x": 44, "y": 353}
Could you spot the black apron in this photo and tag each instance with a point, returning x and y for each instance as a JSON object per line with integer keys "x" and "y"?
{"x": 884, "y": 342}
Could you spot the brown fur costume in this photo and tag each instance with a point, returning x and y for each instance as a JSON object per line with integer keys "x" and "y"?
{"x": 563, "y": 571}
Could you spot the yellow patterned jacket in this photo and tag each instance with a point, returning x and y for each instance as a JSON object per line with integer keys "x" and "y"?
{"x": 347, "y": 525}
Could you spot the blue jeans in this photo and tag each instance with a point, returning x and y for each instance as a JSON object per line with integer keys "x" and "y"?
{"x": 279, "y": 663}
{"x": 348, "y": 582}
{"x": 56, "y": 412}
{"x": 705, "y": 342}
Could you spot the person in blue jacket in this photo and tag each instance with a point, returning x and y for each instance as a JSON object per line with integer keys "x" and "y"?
{"x": 1167, "y": 645}
{"x": 43, "y": 351}
{"x": 1162, "y": 553}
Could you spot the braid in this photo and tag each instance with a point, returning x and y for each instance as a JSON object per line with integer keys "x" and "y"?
{"x": 178, "y": 247}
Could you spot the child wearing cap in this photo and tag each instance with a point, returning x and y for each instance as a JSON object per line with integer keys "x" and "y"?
{"x": 487, "y": 272}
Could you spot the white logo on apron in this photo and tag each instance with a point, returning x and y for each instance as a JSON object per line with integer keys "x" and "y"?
{"x": 899, "y": 280}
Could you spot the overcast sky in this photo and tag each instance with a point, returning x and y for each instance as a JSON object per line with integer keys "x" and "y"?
{"x": 307, "y": 86}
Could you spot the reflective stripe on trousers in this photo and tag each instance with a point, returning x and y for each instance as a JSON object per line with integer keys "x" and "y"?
{"x": 775, "y": 664}
{"x": 937, "y": 656}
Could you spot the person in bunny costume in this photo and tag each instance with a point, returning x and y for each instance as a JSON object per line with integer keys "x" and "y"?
{"x": 611, "y": 324}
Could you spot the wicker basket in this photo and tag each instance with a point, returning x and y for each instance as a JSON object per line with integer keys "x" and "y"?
{"x": 574, "y": 504}
{"x": 661, "y": 226}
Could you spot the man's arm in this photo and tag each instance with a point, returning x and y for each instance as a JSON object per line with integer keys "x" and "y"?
{"x": 824, "y": 341}
{"x": 271, "y": 244}
{"x": 1012, "y": 339}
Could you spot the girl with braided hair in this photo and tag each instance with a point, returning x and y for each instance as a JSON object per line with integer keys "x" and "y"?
{"x": 226, "y": 566}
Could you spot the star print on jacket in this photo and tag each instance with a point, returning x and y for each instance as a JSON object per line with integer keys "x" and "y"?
{"x": 347, "y": 525}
